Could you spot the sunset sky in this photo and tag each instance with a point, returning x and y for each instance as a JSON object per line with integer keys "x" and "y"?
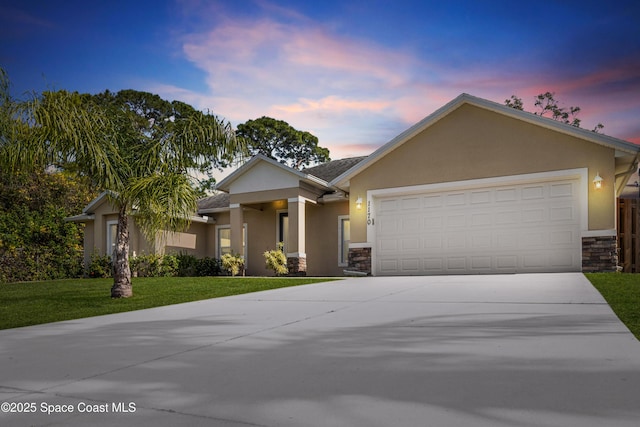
{"x": 353, "y": 73}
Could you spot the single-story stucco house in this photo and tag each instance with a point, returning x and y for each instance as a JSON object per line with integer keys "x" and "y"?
{"x": 475, "y": 187}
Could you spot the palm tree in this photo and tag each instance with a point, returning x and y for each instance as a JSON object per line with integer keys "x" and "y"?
{"x": 144, "y": 151}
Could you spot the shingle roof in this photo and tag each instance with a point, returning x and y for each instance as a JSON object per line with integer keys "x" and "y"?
{"x": 217, "y": 201}
{"x": 333, "y": 169}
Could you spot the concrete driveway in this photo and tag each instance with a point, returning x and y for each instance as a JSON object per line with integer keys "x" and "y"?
{"x": 509, "y": 350}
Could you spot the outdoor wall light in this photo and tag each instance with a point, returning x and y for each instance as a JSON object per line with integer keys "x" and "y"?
{"x": 597, "y": 181}
{"x": 359, "y": 203}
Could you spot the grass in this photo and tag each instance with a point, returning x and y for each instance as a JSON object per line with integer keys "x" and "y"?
{"x": 622, "y": 292}
{"x": 34, "y": 303}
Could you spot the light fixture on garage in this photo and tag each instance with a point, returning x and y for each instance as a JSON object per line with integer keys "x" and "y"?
{"x": 359, "y": 203}
{"x": 597, "y": 181}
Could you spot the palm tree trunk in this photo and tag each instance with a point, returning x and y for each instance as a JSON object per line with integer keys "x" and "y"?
{"x": 121, "y": 272}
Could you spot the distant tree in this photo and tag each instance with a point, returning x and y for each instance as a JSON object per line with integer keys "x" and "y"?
{"x": 140, "y": 148}
{"x": 548, "y": 106}
{"x": 280, "y": 141}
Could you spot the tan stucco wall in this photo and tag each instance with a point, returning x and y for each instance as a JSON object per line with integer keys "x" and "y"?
{"x": 322, "y": 238}
{"x": 321, "y": 235}
{"x": 474, "y": 143}
{"x": 193, "y": 241}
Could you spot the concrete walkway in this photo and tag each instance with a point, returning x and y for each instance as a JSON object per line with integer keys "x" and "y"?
{"x": 509, "y": 350}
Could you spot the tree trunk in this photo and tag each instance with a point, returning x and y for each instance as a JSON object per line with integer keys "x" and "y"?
{"x": 121, "y": 272}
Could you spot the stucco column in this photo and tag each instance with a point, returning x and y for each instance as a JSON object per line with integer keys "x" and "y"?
{"x": 296, "y": 255}
{"x": 236, "y": 222}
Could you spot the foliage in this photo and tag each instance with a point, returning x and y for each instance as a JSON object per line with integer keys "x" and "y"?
{"x": 36, "y": 243}
{"x": 233, "y": 263}
{"x": 140, "y": 148}
{"x": 209, "y": 267}
{"x": 622, "y": 292}
{"x": 546, "y": 104}
{"x": 99, "y": 266}
{"x": 33, "y": 303}
{"x": 276, "y": 260}
{"x": 280, "y": 141}
{"x": 187, "y": 264}
{"x": 154, "y": 265}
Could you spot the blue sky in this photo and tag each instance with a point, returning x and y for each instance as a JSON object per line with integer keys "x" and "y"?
{"x": 354, "y": 73}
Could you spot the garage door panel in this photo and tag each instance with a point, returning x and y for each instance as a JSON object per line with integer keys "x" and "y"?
{"x": 433, "y": 221}
{"x": 432, "y": 202}
{"x": 433, "y": 265}
{"x": 410, "y": 244}
{"x": 410, "y": 225}
{"x": 562, "y": 190}
{"x": 503, "y": 218}
{"x": 533, "y": 192}
{"x": 562, "y": 213}
{"x": 432, "y": 241}
{"x": 506, "y": 195}
{"x": 456, "y": 220}
{"x": 481, "y": 197}
{"x": 516, "y": 228}
{"x": 531, "y": 215}
{"x": 506, "y": 262}
{"x": 411, "y": 265}
{"x": 456, "y": 264}
{"x": 481, "y": 240}
{"x": 388, "y": 266}
{"x": 412, "y": 203}
{"x": 388, "y": 246}
{"x": 481, "y": 263}
{"x": 455, "y": 199}
{"x": 481, "y": 219}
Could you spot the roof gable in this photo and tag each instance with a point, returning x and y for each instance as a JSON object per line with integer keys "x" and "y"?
{"x": 262, "y": 173}
{"x": 621, "y": 147}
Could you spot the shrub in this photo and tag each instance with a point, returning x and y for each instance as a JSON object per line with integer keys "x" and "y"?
{"x": 99, "y": 266}
{"x": 187, "y": 265}
{"x": 154, "y": 265}
{"x": 168, "y": 266}
{"x": 233, "y": 263}
{"x": 276, "y": 260}
{"x": 208, "y": 267}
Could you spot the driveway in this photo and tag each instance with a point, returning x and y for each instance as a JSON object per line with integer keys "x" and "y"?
{"x": 509, "y": 350}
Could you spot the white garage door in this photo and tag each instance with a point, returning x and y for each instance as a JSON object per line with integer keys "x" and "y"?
{"x": 531, "y": 227}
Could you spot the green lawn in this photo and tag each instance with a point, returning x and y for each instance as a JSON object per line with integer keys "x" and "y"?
{"x": 622, "y": 292}
{"x": 33, "y": 303}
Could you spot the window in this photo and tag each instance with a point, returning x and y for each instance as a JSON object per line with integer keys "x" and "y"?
{"x": 344, "y": 237}
{"x": 112, "y": 237}
{"x": 223, "y": 233}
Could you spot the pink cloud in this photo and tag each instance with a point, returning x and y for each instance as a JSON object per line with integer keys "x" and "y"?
{"x": 333, "y": 104}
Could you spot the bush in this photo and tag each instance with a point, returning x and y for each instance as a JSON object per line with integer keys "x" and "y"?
{"x": 233, "y": 263}
{"x": 276, "y": 260}
{"x": 154, "y": 265}
{"x": 99, "y": 266}
{"x": 187, "y": 265}
{"x": 208, "y": 267}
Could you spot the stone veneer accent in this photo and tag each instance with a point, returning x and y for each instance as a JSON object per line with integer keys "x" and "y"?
{"x": 360, "y": 259}
{"x": 599, "y": 254}
{"x": 297, "y": 266}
